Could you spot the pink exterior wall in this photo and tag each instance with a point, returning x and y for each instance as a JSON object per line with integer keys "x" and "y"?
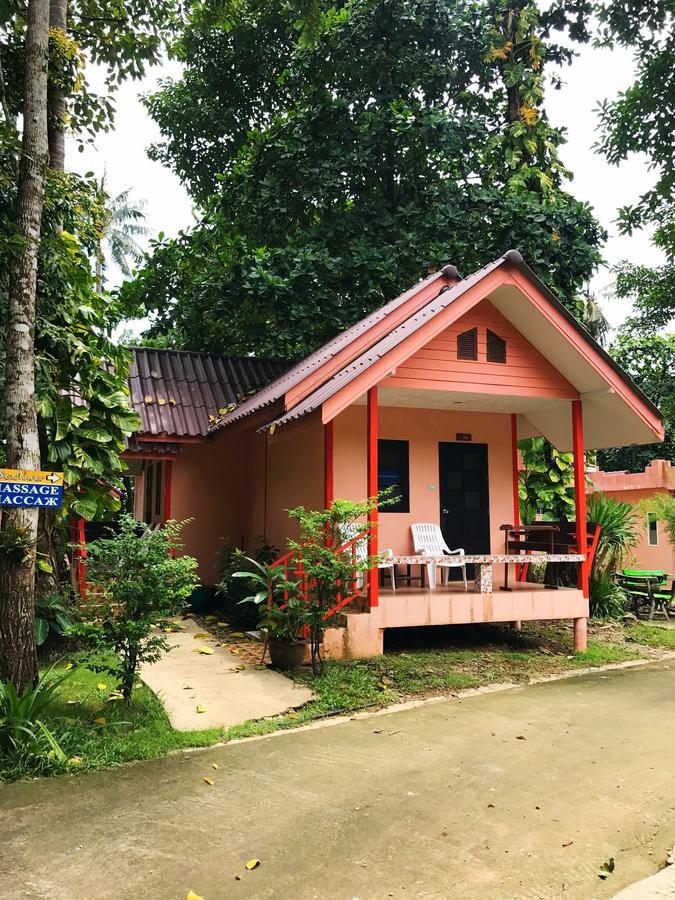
{"x": 424, "y": 429}
{"x": 631, "y": 487}
{"x": 294, "y": 476}
{"x": 525, "y": 373}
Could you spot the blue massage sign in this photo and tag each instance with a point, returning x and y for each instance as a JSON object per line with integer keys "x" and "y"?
{"x": 23, "y": 487}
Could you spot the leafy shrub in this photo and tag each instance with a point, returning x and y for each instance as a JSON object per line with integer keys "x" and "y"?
{"x": 25, "y": 740}
{"x": 285, "y": 615}
{"x": 606, "y": 599}
{"x": 232, "y": 588}
{"x": 619, "y": 523}
{"x": 52, "y": 614}
{"x": 144, "y": 585}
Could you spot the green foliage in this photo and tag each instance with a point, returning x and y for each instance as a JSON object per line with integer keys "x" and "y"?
{"x": 52, "y": 614}
{"x": 330, "y": 568}
{"x": 24, "y": 737}
{"x": 232, "y": 590}
{"x": 82, "y": 396}
{"x": 281, "y": 610}
{"x": 640, "y": 120}
{"x": 650, "y": 361}
{"x": 546, "y": 484}
{"x": 145, "y": 584}
{"x": 619, "y": 522}
{"x": 329, "y": 187}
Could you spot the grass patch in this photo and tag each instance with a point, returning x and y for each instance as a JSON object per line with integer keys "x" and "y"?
{"x": 142, "y": 732}
{"x": 496, "y": 656}
{"x": 652, "y": 635}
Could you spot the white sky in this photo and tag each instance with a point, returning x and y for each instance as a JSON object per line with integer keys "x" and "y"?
{"x": 595, "y": 74}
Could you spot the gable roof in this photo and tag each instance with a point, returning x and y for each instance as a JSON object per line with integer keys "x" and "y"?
{"x": 616, "y": 411}
{"x": 180, "y": 392}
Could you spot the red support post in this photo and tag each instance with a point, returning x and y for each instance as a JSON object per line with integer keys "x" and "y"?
{"x": 168, "y": 474}
{"x": 328, "y": 490}
{"x": 373, "y": 583}
{"x": 580, "y": 508}
{"x": 514, "y": 468}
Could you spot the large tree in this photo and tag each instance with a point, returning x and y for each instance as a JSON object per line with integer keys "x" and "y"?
{"x": 19, "y": 526}
{"x": 640, "y": 120}
{"x": 63, "y": 380}
{"x": 332, "y": 172}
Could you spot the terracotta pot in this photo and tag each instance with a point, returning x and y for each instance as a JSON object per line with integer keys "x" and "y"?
{"x": 286, "y": 655}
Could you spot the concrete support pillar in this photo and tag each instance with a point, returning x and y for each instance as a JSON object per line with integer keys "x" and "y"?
{"x": 580, "y": 635}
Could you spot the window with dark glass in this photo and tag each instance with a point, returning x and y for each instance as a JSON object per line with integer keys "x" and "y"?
{"x": 496, "y": 348}
{"x": 653, "y": 530}
{"x": 467, "y": 344}
{"x": 393, "y": 472}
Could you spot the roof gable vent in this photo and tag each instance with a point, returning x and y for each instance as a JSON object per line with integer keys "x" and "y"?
{"x": 467, "y": 344}
{"x": 496, "y": 348}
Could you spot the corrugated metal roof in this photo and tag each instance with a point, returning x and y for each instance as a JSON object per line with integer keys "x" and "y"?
{"x": 280, "y": 386}
{"x": 176, "y": 391}
{"x": 365, "y": 360}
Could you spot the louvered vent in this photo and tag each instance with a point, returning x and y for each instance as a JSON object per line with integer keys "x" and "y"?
{"x": 467, "y": 344}
{"x": 496, "y": 348}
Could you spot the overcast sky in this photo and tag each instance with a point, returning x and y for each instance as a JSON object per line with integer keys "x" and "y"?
{"x": 595, "y": 74}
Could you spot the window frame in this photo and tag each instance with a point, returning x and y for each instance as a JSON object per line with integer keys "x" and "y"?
{"x": 652, "y": 521}
{"x": 403, "y": 447}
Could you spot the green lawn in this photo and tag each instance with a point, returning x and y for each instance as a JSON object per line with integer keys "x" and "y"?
{"x": 142, "y": 732}
{"x": 488, "y": 656}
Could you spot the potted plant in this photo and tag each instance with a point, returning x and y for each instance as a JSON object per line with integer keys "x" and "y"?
{"x": 283, "y": 613}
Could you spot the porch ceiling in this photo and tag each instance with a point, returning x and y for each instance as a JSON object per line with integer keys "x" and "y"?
{"x": 417, "y": 398}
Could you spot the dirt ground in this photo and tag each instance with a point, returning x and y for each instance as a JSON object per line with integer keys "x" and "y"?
{"x": 519, "y": 794}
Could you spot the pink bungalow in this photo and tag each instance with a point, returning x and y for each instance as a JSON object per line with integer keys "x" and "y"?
{"x": 430, "y": 392}
{"x": 654, "y": 550}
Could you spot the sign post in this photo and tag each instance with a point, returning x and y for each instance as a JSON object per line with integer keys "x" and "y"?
{"x": 25, "y": 487}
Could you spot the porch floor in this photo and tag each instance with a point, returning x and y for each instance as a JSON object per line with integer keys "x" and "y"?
{"x": 451, "y": 604}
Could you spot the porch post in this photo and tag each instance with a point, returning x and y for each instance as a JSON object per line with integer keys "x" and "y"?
{"x": 514, "y": 468}
{"x": 580, "y": 509}
{"x": 168, "y": 474}
{"x": 373, "y": 583}
{"x": 328, "y": 490}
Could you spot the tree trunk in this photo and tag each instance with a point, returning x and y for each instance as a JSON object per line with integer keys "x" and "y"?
{"x": 17, "y": 578}
{"x": 58, "y": 11}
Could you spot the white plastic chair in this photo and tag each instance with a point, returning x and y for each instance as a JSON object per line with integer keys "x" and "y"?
{"x": 349, "y": 532}
{"x": 428, "y": 541}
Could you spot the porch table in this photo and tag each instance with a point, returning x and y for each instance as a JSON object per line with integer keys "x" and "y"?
{"x": 485, "y": 561}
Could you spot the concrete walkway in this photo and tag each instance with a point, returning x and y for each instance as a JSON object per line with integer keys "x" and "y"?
{"x": 226, "y": 690}
{"x": 522, "y": 794}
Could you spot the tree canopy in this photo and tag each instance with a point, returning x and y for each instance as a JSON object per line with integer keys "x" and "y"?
{"x": 331, "y": 173}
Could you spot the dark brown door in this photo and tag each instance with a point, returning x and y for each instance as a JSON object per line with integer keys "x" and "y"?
{"x": 464, "y": 496}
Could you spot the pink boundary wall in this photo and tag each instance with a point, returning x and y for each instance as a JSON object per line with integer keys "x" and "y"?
{"x": 631, "y": 487}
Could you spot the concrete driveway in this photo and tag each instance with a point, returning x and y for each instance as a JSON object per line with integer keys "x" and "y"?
{"x": 522, "y": 794}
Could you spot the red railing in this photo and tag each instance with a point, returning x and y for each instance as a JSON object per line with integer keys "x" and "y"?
{"x": 294, "y": 570}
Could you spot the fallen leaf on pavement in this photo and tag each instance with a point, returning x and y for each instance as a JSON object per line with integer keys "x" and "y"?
{"x": 606, "y": 868}
{"x": 206, "y": 650}
{"x": 187, "y": 687}
{"x": 192, "y": 896}
{"x": 252, "y": 864}
{"x": 201, "y": 636}
{"x": 568, "y": 844}
{"x": 200, "y": 708}
{"x": 521, "y": 737}
{"x": 208, "y": 780}
{"x": 215, "y": 765}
